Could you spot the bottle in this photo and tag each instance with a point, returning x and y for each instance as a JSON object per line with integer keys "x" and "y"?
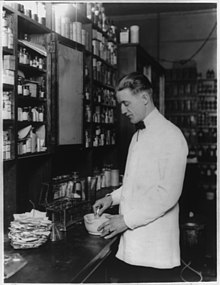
{"x": 20, "y": 87}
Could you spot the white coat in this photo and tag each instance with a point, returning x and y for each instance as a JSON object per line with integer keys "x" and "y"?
{"x": 148, "y": 198}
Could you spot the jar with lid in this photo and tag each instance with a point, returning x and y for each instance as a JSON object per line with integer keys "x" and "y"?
{"x": 124, "y": 35}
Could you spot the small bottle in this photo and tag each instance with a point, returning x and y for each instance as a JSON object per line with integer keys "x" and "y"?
{"x": 20, "y": 87}
{"x": 26, "y": 90}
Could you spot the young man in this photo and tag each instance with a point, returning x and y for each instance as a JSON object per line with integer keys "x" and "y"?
{"x": 148, "y": 219}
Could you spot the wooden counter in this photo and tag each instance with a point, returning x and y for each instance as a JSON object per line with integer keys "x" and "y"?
{"x": 72, "y": 259}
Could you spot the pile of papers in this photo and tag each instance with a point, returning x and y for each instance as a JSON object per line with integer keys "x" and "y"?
{"x": 29, "y": 230}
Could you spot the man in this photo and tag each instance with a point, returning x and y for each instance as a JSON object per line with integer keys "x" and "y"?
{"x": 148, "y": 218}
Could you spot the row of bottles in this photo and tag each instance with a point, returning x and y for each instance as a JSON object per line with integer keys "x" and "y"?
{"x": 187, "y": 73}
{"x": 31, "y": 89}
{"x": 7, "y": 145}
{"x": 100, "y": 115}
{"x": 207, "y": 119}
{"x": 207, "y": 87}
{"x": 7, "y": 31}
{"x": 33, "y": 143}
{"x": 104, "y": 48}
{"x": 103, "y": 115}
{"x": 181, "y": 89}
{"x": 104, "y": 96}
{"x": 207, "y": 153}
{"x": 208, "y": 173}
{"x": 101, "y": 137}
{"x": 33, "y": 9}
{"x": 208, "y": 103}
{"x": 96, "y": 13}
{"x": 103, "y": 73}
{"x": 31, "y": 114}
{"x": 207, "y": 135}
{"x": 7, "y": 112}
{"x": 27, "y": 58}
{"x": 183, "y": 105}
{"x": 183, "y": 121}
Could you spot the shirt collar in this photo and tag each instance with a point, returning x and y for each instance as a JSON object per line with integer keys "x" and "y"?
{"x": 151, "y": 117}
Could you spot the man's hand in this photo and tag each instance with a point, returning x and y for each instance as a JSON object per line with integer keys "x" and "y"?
{"x": 113, "y": 226}
{"x": 102, "y": 205}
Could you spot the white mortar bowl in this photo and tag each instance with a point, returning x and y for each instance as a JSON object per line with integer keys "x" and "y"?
{"x": 92, "y": 222}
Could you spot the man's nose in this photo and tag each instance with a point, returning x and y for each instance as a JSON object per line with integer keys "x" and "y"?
{"x": 123, "y": 109}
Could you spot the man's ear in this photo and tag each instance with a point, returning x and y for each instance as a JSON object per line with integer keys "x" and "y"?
{"x": 146, "y": 96}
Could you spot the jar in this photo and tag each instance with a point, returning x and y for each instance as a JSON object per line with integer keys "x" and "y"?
{"x": 134, "y": 30}
{"x": 124, "y": 35}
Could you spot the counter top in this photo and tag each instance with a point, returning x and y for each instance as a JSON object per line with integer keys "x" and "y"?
{"x": 72, "y": 259}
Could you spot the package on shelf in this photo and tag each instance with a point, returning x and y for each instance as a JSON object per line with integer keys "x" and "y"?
{"x": 9, "y": 62}
{"x": 33, "y": 88}
{"x": 29, "y": 229}
{"x": 8, "y": 76}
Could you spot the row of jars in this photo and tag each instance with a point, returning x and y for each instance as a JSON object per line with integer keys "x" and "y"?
{"x": 105, "y": 50}
{"x": 31, "y": 114}
{"x": 185, "y": 105}
{"x": 25, "y": 57}
{"x": 7, "y": 105}
{"x": 103, "y": 73}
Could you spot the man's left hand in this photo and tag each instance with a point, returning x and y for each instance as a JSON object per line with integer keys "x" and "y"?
{"x": 113, "y": 226}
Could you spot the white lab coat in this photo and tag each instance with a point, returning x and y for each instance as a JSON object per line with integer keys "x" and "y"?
{"x": 148, "y": 198}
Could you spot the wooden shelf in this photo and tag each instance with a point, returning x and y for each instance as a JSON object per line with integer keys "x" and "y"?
{"x": 7, "y": 51}
{"x": 30, "y": 69}
{"x": 33, "y": 155}
{"x": 31, "y": 100}
{"x": 23, "y": 124}
{"x": 8, "y": 87}
{"x": 30, "y": 26}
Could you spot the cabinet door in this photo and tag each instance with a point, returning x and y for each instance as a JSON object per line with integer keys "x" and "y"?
{"x": 70, "y": 82}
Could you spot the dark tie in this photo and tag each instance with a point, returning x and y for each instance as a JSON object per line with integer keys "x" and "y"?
{"x": 140, "y": 126}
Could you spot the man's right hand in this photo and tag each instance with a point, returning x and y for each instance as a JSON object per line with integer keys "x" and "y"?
{"x": 102, "y": 205}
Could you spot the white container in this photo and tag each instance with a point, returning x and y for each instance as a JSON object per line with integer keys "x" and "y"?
{"x": 124, "y": 36}
{"x": 114, "y": 177}
{"x": 92, "y": 222}
{"x": 134, "y": 37}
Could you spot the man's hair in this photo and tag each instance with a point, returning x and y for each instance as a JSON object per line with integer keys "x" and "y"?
{"x": 136, "y": 82}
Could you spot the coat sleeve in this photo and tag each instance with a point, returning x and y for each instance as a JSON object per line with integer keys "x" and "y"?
{"x": 116, "y": 196}
{"x": 165, "y": 193}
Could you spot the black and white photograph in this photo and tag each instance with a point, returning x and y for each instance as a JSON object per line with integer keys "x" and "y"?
{"x": 109, "y": 133}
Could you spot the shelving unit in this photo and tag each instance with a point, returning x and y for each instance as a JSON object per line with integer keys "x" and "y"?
{"x": 22, "y": 175}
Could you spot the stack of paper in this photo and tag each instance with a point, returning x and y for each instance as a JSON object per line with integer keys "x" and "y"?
{"x": 29, "y": 230}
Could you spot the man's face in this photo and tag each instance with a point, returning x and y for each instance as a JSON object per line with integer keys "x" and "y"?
{"x": 132, "y": 106}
